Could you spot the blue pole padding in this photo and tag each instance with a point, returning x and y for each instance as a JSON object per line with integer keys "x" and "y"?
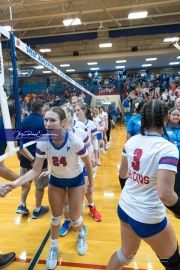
{"x": 15, "y": 84}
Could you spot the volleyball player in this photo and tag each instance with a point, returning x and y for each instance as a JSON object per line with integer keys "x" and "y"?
{"x": 63, "y": 150}
{"x": 150, "y": 164}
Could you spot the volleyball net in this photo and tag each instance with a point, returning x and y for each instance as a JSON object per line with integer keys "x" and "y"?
{"x": 18, "y": 47}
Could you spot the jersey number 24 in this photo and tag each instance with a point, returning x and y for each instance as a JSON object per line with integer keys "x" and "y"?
{"x": 56, "y": 161}
{"x": 136, "y": 159}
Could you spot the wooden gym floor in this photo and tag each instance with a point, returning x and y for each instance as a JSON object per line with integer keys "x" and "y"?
{"x": 29, "y": 238}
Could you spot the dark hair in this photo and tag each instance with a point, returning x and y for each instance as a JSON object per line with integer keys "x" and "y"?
{"x": 37, "y": 105}
{"x": 59, "y": 111}
{"x": 11, "y": 107}
{"x": 139, "y": 107}
{"x": 153, "y": 114}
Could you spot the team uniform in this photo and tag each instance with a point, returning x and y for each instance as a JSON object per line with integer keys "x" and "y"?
{"x": 66, "y": 167}
{"x": 134, "y": 124}
{"x": 139, "y": 204}
{"x": 79, "y": 124}
{"x": 104, "y": 116}
{"x": 100, "y": 127}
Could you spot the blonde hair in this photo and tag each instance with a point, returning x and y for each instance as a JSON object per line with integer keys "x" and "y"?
{"x": 69, "y": 112}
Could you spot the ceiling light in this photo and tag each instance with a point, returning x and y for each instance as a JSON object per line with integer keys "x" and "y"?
{"x": 176, "y": 45}
{"x": 137, "y": 15}
{"x": 39, "y": 67}
{"x": 171, "y": 39}
{"x": 45, "y": 50}
{"x": 65, "y": 65}
{"x": 75, "y": 21}
{"x": 151, "y": 59}
{"x": 47, "y": 71}
{"x": 70, "y": 70}
{"x": 146, "y": 65}
{"x": 92, "y": 63}
{"x": 121, "y": 61}
{"x": 105, "y": 45}
{"x": 174, "y": 63}
{"x": 120, "y": 66}
{"x": 95, "y": 68}
{"x": 178, "y": 57}
{"x": 11, "y": 69}
{"x": 7, "y": 28}
{"x": 24, "y": 73}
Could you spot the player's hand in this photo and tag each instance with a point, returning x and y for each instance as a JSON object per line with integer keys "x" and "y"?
{"x": 43, "y": 174}
{"x": 10, "y": 185}
{"x": 4, "y": 190}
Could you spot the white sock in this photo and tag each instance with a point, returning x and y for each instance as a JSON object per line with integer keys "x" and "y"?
{"x": 91, "y": 204}
{"x": 23, "y": 204}
{"x": 37, "y": 209}
{"x": 80, "y": 233}
{"x": 54, "y": 242}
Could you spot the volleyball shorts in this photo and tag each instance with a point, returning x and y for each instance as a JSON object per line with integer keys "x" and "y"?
{"x": 99, "y": 136}
{"x": 67, "y": 182}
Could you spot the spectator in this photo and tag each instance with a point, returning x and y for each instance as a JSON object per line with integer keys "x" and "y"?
{"x": 126, "y": 105}
{"x": 113, "y": 113}
{"x": 48, "y": 82}
{"x": 66, "y": 94}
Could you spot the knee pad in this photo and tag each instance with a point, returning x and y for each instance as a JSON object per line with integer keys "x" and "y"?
{"x": 124, "y": 261}
{"x": 82, "y": 208}
{"x": 66, "y": 207}
{"x": 172, "y": 263}
{"x": 78, "y": 222}
{"x": 55, "y": 220}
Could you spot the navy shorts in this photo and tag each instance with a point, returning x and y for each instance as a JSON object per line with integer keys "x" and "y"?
{"x": 67, "y": 182}
{"x": 99, "y": 136}
{"x": 84, "y": 171}
{"x": 143, "y": 230}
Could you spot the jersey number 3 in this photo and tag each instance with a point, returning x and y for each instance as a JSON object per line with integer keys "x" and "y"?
{"x": 136, "y": 160}
{"x": 56, "y": 161}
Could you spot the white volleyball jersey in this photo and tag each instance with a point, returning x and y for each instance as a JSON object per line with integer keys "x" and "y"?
{"x": 99, "y": 123}
{"x": 79, "y": 124}
{"x": 105, "y": 117}
{"x": 145, "y": 155}
{"x": 64, "y": 160}
{"x": 81, "y": 134}
{"x": 90, "y": 128}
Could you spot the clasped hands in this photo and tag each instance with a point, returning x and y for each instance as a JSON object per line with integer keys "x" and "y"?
{"x": 4, "y": 190}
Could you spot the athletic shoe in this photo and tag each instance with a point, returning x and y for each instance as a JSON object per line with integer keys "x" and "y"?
{"x": 82, "y": 246}
{"x": 84, "y": 230}
{"x": 103, "y": 151}
{"x": 22, "y": 210}
{"x": 95, "y": 214}
{"x": 6, "y": 259}
{"x": 106, "y": 147}
{"x": 43, "y": 210}
{"x": 52, "y": 258}
{"x": 65, "y": 227}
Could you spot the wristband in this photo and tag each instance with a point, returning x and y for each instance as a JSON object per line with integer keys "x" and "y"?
{"x": 122, "y": 181}
{"x": 175, "y": 208}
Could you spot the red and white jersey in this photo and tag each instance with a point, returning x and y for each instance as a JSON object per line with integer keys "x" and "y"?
{"x": 64, "y": 160}
{"x": 145, "y": 155}
{"x": 90, "y": 128}
{"x": 99, "y": 123}
{"x": 79, "y": 124}
{"x": 104, "y": 116}
{"x": 81, "y": 134}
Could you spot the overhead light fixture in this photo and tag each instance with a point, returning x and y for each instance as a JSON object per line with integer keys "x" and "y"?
{"x": 94, "y": 68}
{"x": 65, "y": 65}
{"x": 75, "y": 21}
{"x": 174, "y": 63}
{"x": 92, "y": 63}
{"x": 146, "y": 65}
{"x": 178, "y": 57}
{"x": 121, "y": 61}
{"x": 11, "y": 69}
{"x": 39, "y": 67}
{"x": 138, "y": 15}
{"x": 176, "y": 45}
{"x": 24, "y": 73}
{"x": 105, "y": 45}
{"x": 70, "y": 70}
{"x": 120, "y": 66}
{"x": 151, "y": 59}
{"x": 46, "y": 71}
{"x": 7, "y": 28}
{"x": 172, "y": 39}
{"x": 45, "y": 50}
